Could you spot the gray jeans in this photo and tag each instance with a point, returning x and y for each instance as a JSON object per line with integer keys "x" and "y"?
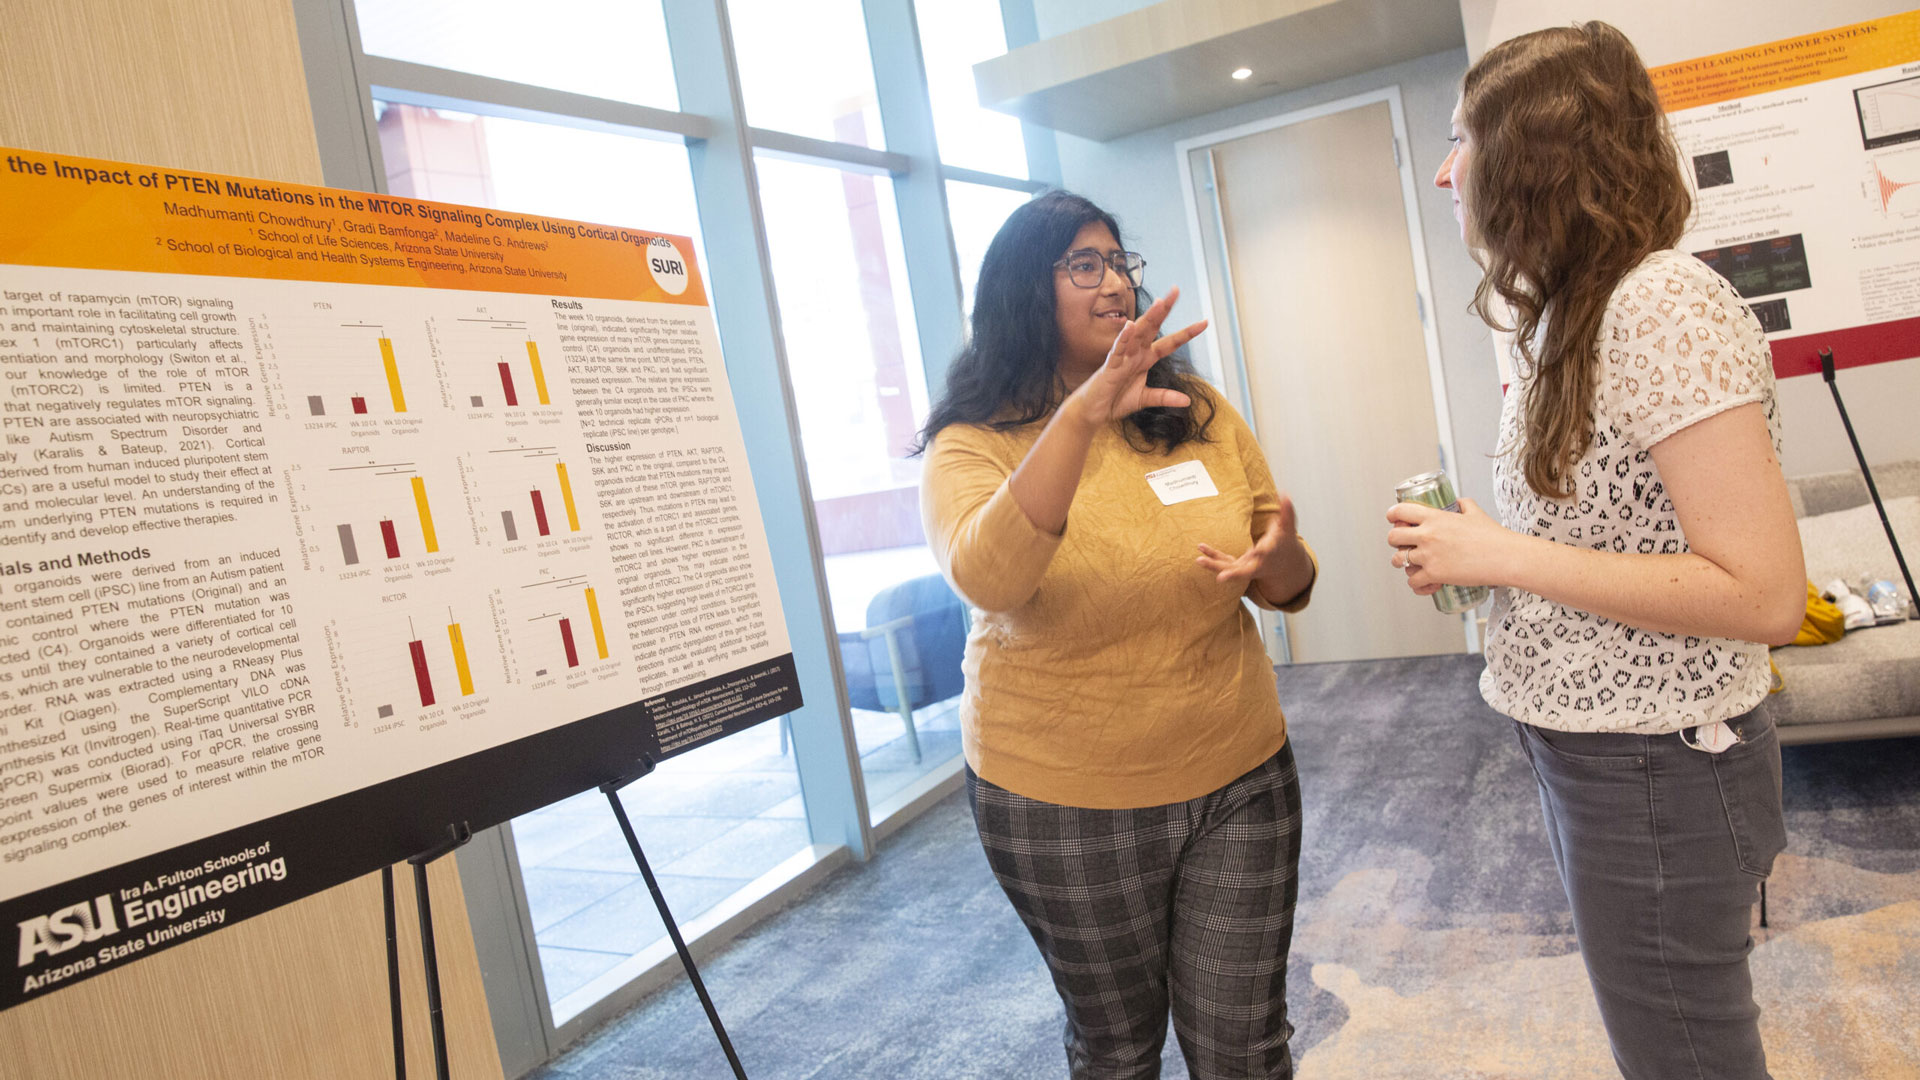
{"x": 1661, "y": 848}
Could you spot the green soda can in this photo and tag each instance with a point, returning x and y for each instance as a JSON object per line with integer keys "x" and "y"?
{"x": 1435, "y": 490}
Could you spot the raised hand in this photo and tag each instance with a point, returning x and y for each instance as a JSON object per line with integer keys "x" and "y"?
{"x": 1119, "y": 388}
{"x": 1275, "y": 560}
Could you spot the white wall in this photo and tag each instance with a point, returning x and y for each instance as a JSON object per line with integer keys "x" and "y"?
{"x": 1880, "y": 398}
{"x": 1138, "y": 179}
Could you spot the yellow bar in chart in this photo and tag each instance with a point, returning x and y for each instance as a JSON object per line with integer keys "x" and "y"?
{"x": 599, "y": 632}
{"x": 566, "y": 496}
{"x": 539, "y": 376}
{"x": 426, "y": 515}
{"x": 393, "y": 375}
{"x": 460, "y": 658}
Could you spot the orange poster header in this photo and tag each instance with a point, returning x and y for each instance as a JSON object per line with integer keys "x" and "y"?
{"x": 111, "y": 215}
{"x": 1789, "y": 62}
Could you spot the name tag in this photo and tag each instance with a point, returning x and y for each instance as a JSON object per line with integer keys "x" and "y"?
{"x": 1178, "y": 483}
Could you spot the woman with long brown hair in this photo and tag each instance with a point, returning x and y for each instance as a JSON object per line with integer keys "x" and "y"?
{"x": 1645, "y": 551}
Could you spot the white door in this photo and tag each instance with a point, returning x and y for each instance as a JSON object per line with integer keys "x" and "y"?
{"x": 1339, "y": 377}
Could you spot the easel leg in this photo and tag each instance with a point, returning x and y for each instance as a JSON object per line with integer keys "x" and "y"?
{"x": 393, "y": 977}
{"x": 612, "y": 790}
{"x": 434, "y": 1017}
{"x": 457, "y": 834}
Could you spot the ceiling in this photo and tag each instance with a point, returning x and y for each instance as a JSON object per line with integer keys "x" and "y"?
{"x": 1173, "y": 60}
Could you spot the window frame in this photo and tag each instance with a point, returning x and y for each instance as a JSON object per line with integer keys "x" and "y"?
{"x": 343, "y": 81}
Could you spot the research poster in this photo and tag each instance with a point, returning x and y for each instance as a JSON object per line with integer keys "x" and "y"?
{"x": 1805, "y": 161}
{"x": 328, "y": 520}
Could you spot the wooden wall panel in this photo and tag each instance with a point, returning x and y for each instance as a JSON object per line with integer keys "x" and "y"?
{"x": 297, "y": 994}
{"x": 217, "y": 85}
{"x": 203, "y": 84}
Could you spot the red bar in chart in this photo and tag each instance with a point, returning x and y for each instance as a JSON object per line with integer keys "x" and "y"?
{"x": 391, "y": 538}
{"x": 506, "y": 383}
{"x": 539, "y": 512}
{"x": 419, "y": 651}
{"x": 566, "y": 639}
{"x": 359, "y": 405}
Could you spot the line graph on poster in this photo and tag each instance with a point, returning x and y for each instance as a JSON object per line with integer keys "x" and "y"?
{"x": 1889, "y": 112}
{"x": 1892, "y": 184}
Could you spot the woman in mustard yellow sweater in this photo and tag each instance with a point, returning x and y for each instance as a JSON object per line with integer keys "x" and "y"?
{"x": 1105, "y": 512}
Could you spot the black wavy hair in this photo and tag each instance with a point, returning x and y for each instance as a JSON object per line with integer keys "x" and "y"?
{"x": 1005, "y": 376}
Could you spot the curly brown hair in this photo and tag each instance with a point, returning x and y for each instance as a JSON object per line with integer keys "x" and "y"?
{"x": 1573, "y": 180}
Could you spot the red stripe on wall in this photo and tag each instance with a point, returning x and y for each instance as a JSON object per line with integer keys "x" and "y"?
{"x": 1856, "y": 346}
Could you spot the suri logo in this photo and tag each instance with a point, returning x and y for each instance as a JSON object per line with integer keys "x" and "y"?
{"x": 64, "y": 929}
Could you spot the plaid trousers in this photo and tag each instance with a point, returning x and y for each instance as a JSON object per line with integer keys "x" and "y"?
{"x": 1188, "y": 905}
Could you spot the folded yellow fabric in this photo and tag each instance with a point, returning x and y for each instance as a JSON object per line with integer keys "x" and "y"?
{"x": 1823, "y": 623}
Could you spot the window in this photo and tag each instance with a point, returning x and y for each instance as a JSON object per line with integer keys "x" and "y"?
{"x": 516, "y": 165}
{"x": 804, "y": 69}
{"x": 725, "y": 825}
{"x": 977, "y": 212}
{"x": 711, "y": 820}
{"x": 954, "y": 36}
{"x": 862, "y": 397}
{"x": 613, "y": 49}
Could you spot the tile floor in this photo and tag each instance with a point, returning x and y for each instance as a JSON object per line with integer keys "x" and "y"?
{"x": 710, "y": 821}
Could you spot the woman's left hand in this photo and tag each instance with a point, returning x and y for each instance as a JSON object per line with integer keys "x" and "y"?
{"x": 1275, "y": 556}
{"x": 1438, "y": 547}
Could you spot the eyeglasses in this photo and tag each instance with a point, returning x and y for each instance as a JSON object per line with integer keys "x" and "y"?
{"x": 1087, "y": 268}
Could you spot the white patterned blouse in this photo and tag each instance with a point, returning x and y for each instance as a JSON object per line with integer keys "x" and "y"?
{"x": 1677, "y": 346}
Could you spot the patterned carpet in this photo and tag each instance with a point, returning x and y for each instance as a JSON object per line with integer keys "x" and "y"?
{"x": 1432, "y": 939}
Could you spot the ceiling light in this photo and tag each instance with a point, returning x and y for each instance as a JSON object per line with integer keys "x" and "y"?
{"x": 1243, "y": 73}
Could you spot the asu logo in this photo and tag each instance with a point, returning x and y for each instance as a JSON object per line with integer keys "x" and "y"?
{"x": 51, "y": 935}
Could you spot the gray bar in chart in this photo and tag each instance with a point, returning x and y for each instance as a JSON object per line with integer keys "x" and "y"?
{"x": 314, "y": 405}
{"x": 476, "y": 401}
{"x": 347, "y": 550}
{"x": 506, "y": 519}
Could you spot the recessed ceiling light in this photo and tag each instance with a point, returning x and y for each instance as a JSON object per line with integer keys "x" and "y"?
{"x": 1243, "y": 73}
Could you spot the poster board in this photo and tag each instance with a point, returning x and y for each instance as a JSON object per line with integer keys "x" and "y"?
{"x": 328, "y": 519}
{"x": 1803, "y": 155}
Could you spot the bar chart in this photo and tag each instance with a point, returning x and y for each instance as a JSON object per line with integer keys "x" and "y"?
{"x": 424, "y": 541}
{"x": 527, "y": 493}
{"x": 404, "y": 658}
{"x": 559, "y": 626}
{"x": 494, "y": 364}
{"x": 416, "y": 656}
{"x": 379, "y": 514}
{"x": 507, "y": 392}
{"x": 423, "y": 671}
{"x": 359, "y": 387}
